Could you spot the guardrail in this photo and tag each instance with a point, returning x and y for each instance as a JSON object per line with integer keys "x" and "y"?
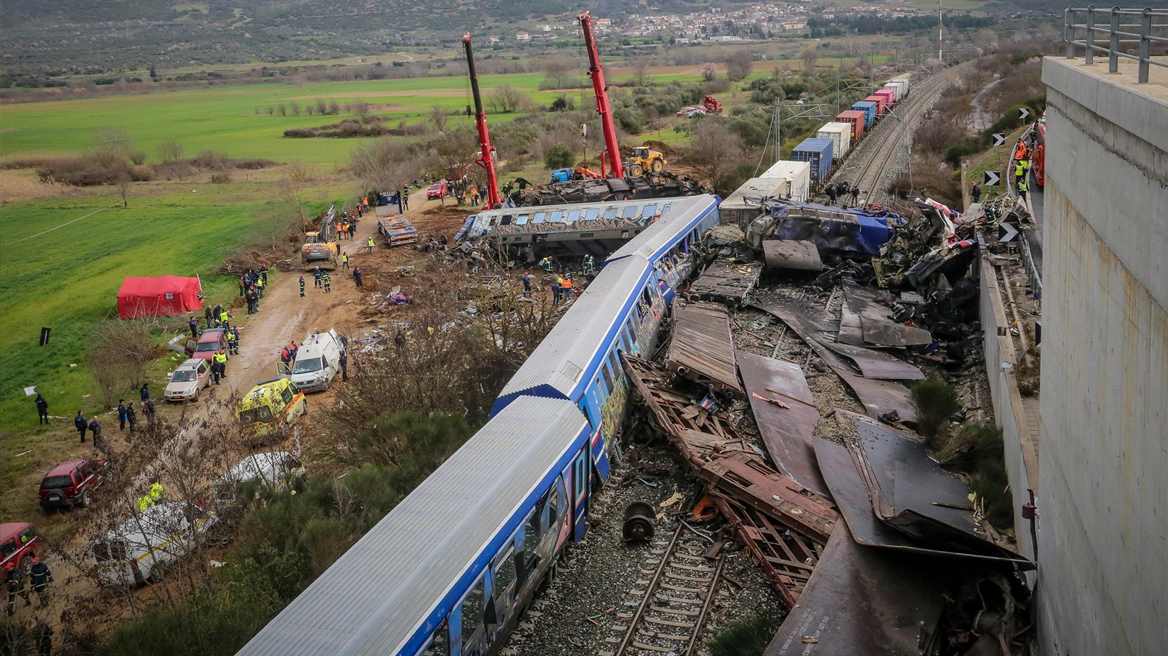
{"x": 1114, "y": 33}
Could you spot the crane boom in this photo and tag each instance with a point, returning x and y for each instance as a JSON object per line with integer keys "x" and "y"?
{"x": 486, "y": 159}
{"x": 600, "y": 88}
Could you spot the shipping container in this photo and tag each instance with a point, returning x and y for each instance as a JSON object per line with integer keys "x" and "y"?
{"x": 856, "y": 118}
{"x": 889, "y": 98}
{"x": 797, "y": 175}
{"x": 817, "y": 153}
{"x": 869, "y": 109}
{"x": 743, "y": 206}
{"x": 881, "y": 103}
{"x": 906, "y": 79}
{"x": 901, "y": 88}
{"x": 841, "y": 138}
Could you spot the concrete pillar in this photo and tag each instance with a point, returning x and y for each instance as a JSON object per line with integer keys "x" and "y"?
{"x": 1103, "y": 453}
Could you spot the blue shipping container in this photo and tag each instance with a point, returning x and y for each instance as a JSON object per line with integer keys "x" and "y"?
{"x": 869, "y": 109}
{"x": 818, "y": 153}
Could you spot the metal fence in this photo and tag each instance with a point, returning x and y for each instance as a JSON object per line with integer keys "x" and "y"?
{"x": 1114, "y": 28}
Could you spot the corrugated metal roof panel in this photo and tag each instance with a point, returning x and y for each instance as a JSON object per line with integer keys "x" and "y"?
{"x": 564, "y": 355}
{"x": 375, "y": 596}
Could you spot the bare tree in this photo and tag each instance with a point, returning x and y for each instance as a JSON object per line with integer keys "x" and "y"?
{"x": 709, "y": 71}
{"x": 281, "y": 109}
{"x": 810, "y": 57}
{"x": 641, "y": 72}
{"x": 361, "y": 109}
{"x": 293, "y": 185}
{"x": 438, "y": 117}
{"x": 387, "y": 163}
{"x": 715, "y": 150}
{"x": 738, "y": 65}
{"x": 170, "y": 150}
{"x": 321, "y": 106}
{"x": 294, "y": 107}
{"x": 557, "y": 71}
{"x": 114, "y": 141}
{"x": 507, "y": 99}
{"x": 124, "y": 349}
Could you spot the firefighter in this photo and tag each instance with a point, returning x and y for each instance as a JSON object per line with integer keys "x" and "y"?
{"x": 14, "y": 579}
{"x": 328, "y": 281}
{"x": 41, "y": 578}
{"x": 302, "y": 286}
{"x": 156, "y": 491}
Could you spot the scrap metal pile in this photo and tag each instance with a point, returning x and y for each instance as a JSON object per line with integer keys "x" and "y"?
{"x": 655, "y": 185}
{"x": 873, "y": 547}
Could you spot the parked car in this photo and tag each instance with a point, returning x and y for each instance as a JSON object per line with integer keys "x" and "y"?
{"x": 141, "y": 549}
{"x": 270, "y": 406}
{"x": 18, "y": 544}
{"x": 318, "y": 361}
{"x": 436, "y": 190}
{"x": 211, "y": 342}
{"x": 186, "y": 381}
{"x": 273, "y": 470}
{"x": 72, "y": 483}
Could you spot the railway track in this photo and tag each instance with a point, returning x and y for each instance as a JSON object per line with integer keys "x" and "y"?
{"x": 871, "y": 175}
{"x": 675, "y": 601}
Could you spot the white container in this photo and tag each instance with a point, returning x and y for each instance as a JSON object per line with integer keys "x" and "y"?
{"x": 797, "y": 175}
{"x": 840, "y": 135}
{"x": 905, "y": 79}
{"x": 744, "y": 205}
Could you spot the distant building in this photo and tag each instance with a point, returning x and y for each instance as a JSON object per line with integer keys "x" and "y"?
{"x": 604, "y": 21}
{"x": 493, "y": 40}
{"x": 522, "y": 36}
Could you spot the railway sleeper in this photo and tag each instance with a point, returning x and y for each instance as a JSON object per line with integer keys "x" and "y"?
{"x": 648, "y": 647}
{"x": 682, "y": 577}
{"x": 680, "y": 625}
{"x": 655, "y": 635}
{"x": 675, "y": 611}
{"x": 678, "y": 588}
{"x": 677, "y": 600}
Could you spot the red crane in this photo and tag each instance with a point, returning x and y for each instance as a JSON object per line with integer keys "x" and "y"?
{"x": 601, "y": 90}
{"x": 486, "y": 159}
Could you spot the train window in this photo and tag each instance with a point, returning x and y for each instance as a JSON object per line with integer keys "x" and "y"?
{"x": 522, "y": 219}
{"x": 573, "y": 216}
{"x": 650, "y": 210}
{"x": 581, "y": 476}
{"x": 440, "y": 645}
{"x": 553, "y": 505}
{"x": 630, "y": 212}
{"x": 614, "y": 362}
{"x": 592, "y": 214}
{"x": 607, "y": 372}
{"x": 556, "y": 216}
{"x": 539, "y": 217}
{"x": 531, "y": 534}
{"x": 472, "y": 612}
{"x": 505, "y": 578}
{"x": 610, "y": 213}
{"x": 665, "y": 208}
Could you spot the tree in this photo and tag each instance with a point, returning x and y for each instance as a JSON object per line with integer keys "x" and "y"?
{"x": 809, "y": 59}
{"x": 170, "y": 151}
{"x": 438, "y": 117}
{"x": 558, "y": 156}
{"x": 641, "y": 73}
{"x": 557, "y": 71}
{"x": 715, "y": 151}
{"x": 123, "y": 181}
{"x": 739, "y": 64}
{"x": 709, "y": 71}
{"x": 113, "y": 141}
{"x": 507, "y": 99}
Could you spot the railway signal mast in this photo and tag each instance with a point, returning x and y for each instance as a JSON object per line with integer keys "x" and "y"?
{"x": 600, "y": 88}
{"x": 941, "y": 31}
{"x": 486, "y": 159}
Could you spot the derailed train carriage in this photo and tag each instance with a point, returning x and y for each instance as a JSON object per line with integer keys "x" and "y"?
{"x": 451, "y": 569}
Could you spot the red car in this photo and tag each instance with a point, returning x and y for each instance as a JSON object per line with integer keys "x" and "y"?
{"x": 72, "y": 483}
{"x": 210, "y": 342}
{"x": 18, "y": 544}
{"x": 436, "y": 191}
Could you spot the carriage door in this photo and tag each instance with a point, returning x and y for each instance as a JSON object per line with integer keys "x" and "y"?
{"x": 580, "y": 477}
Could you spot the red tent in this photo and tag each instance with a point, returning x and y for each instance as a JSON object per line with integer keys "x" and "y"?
{"x": 160, "y": 296}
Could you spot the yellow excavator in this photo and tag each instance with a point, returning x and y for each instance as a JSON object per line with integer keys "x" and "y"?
{"x": 645, "y": 160}
{"x": 320, "y": 248}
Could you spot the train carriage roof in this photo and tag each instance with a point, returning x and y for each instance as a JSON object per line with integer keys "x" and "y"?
{"x": 658, "y": 238}
{"x": 377, "y": 595}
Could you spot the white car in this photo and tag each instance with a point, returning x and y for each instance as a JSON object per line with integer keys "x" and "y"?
{"x": 186, "y": 381}
{"x": 273, "y": 470}
{"x": 318, "y": 361}
{"x": 140, "y": 550}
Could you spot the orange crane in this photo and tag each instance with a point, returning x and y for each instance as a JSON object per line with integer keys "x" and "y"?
{"x": 486, "y": 159}
{"x": 602, "y": 107}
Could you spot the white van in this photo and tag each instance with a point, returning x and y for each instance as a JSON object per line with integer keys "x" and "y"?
{"x": 142, "y": 548}
{"x": 318, "y": 361}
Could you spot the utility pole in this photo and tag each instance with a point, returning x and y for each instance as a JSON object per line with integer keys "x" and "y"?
{"x": 941, "y": 31}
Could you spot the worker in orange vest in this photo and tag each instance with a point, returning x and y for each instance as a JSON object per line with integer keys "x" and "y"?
{"x": 566, "y": 288}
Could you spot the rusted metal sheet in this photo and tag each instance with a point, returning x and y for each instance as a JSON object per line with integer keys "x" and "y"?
{"x": 702, "y": 348}
{"x": 912, "y": 494}
{"x": 751, "y": 481}
{"x": 786, "y": 432}
{"x": 790, "y": 254}
{"x": 878, "y": 396}
{"x": 888, "y": 333}
{"x": 700, "y": 435}
{"x": 865, "y": 602}
{"x": 876, "y": 364}
{"x": 726, "y": 282}
{"x": 786, "y": 558}
{"x": 867, "y": 320}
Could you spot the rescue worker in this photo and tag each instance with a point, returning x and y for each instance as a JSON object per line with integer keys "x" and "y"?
{"x": 328, "y": 281}
{"x": 358, "y": 276}
{"x": 95, "y": 430}
{"x": 301, "y": 285}
{"x": 344, "y": 361}
{"x": 221, "y": 358}
{"x": 148, "y": 410}
{"x": 526, "y": 282}
{"x": 292, "y": 348}
{"x": 81, "y": 424}
{"x": 194, "y": 323}
{"x": 285, "y": 355}
{"x": 41, "y": 577}
{"x": 144, "y": 393}
{"x": 1022, "y": 189}
{"x": 566, "y": 289}
{"x": 145, "y": 502}
{"x": 855, "y": 196}
{"x": 156, "y": 491}
{"x": 233, "y": 340}
{"x": 122, "y": 415}
{"x": 352, "y": 230}
{"x": 345, "y": 262}
{"x": 42, "y": 409}
{"x": 132, "y": 417}
{"x": 14, "y": 579}
{"x": 370, "y": 244}
{"x": 556, "y": 287}
{"x": 207, "y": 315}
{"x": 316, "y": 274}
{"x": 1019, "y": 170}
{"x": 976, "y": 192}
{"x": 224, "y": 318}
{"x": 405, "y": 198}
{"x": 259, "y": 284}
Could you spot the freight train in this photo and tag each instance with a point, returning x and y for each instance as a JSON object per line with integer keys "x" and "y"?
{"x": 451, "y": 569}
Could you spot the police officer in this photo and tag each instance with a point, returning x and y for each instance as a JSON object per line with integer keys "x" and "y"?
{"x": 122, "y": 415}
{"x": 302, "y": 286}
{"x": 14, "y": 579}
{"x": 41, "y": 578}
{"x": 95, "y": 429}
{"x": 224, "y": 318}
{"x": 81, "y": 424}
{"x": 220, "y": 360}
{"x": 145, "y": 392}
{"x": 132, "y": 417}
{"x": 194, "y": 323}
{"x": 42, "y": 409}
{"x": 357, "y": 276}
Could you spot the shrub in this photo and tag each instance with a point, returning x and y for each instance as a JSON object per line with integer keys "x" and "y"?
{"x": 141, "y": 173}
{"x": 558, "y": 156}
{"x": 934, "y": 401}
{"x": 137, "y": 157}
{"x": 220, "y": 177}
{"x": 750, "y": 636}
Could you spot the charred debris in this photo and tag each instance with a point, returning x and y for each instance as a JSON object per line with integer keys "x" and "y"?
{"x": 871, "y": 544}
